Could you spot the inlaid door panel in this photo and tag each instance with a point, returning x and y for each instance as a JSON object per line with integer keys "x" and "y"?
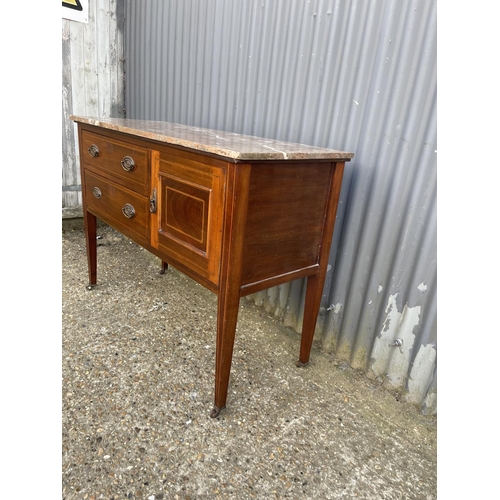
{"x": 190, "y": 211}
{"x": 185, "y": 215}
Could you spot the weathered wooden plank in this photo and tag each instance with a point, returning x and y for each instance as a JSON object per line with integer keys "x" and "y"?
{"x": 92, "y": 81}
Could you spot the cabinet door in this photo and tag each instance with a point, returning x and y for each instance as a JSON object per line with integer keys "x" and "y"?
{"x": 190, "y": 191}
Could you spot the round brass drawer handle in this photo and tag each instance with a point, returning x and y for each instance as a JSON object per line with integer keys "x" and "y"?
{"x": 128, "y": 211}
{"x": 97, "y": 192}
{"x": 128, "y": 163}
{"x": 93, "y": 151}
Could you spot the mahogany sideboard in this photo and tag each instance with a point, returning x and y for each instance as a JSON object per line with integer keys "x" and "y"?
{"x": 238, "y": 214}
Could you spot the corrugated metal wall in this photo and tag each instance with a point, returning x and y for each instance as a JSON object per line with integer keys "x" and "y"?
{"x": 352, "y": 75}
{"x": 92, "y": 83}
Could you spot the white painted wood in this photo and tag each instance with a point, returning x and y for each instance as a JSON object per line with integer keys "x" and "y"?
{"x": 92, "y": 83}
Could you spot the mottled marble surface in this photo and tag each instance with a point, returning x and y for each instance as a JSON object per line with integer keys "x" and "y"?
{"x": 227, "y": 144}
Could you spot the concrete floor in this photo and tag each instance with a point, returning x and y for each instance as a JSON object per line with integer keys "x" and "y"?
{"x": 138, "y": 381}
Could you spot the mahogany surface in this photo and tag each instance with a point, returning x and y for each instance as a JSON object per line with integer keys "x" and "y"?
{"x": 236, "y": 219}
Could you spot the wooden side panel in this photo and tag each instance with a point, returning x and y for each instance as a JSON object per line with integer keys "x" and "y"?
{"x": 285, "y": 220}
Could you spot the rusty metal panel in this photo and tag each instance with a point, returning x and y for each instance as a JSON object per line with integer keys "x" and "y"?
{"x": 93, "y": 83}
{"x": 358, "y": 76}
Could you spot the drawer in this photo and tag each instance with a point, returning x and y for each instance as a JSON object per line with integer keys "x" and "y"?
{"x": 120, "y": 207}
{"x": 127, "y": 164}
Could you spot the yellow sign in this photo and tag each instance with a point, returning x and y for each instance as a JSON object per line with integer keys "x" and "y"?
{"x": 76, "y": 10}
{"x": 73, "y": 4}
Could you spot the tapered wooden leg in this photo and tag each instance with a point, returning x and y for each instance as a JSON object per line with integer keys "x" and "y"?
{"x": 164, "y": 267}
{"x": 90, "y": 222}
{"x": 316, "y": 282}
{"x": 311, "y": 309}
{"x": 227, "y": 318}
{"x": 230, "y": 284}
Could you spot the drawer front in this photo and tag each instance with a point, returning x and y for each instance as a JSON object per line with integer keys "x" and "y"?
{"x": 120, "y": 207}
{"x": 125, "y": 163}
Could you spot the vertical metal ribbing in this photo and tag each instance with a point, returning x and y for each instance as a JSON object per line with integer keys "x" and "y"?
{"x": 354, "y": 75}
